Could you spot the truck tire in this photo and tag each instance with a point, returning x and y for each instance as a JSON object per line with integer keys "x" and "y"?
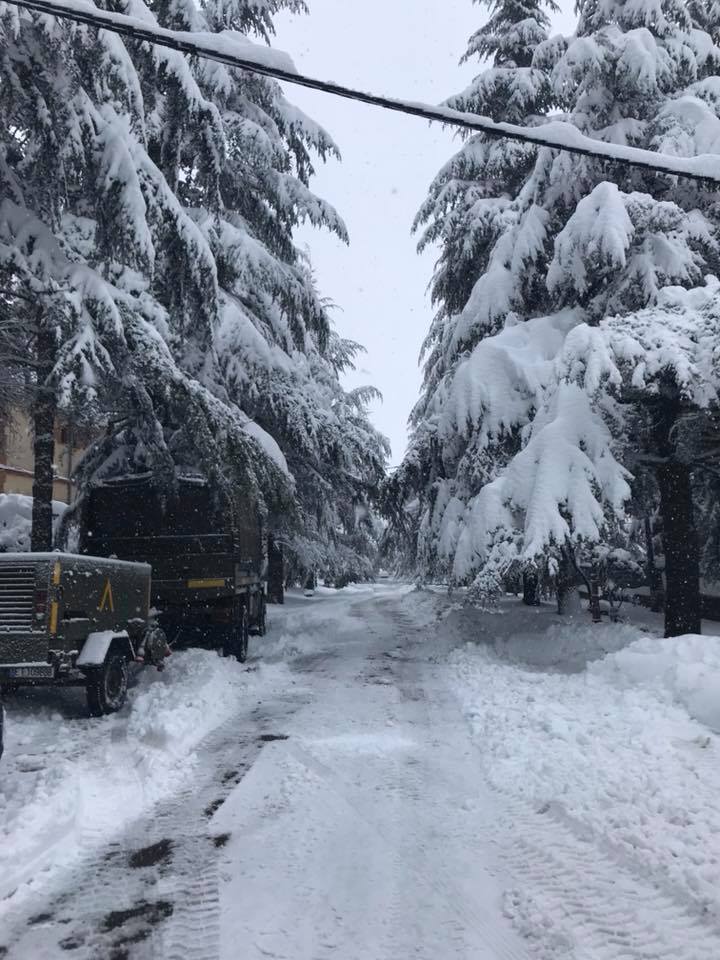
{"x": 260, "y": 627}
{"x": 106, "y": 686}
{"x": 262, "y": 619}
{"x": 242, "y": 635}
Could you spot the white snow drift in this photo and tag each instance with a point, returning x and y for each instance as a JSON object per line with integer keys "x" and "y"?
{"x": 624, "y": 750}
{"x": 68, "y": 783}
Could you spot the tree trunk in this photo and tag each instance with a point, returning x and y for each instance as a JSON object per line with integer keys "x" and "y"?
{"x": 276, "y": 571}
{"x": 568, "y": 600}
{"x": 568, "y": 596}
{"x": 531, "y": 590}
{"x": 682, "y": 557}
{"x": 653, "y": 575}
{"x": 43, "y": 415}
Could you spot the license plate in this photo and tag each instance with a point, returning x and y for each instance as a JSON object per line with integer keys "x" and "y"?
{"x": 24, "y": 673}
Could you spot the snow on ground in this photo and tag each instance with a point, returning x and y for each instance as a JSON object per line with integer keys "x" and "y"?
{"x": 408, "y": 777}
{"x": 355, "y": 836}
{"x": 69, "y": 783}
{"x": 578, "y": 802}
{"x": 623, "y": 747}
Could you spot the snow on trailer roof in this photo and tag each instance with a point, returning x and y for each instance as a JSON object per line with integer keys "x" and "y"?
{"x": 58, "y": 555}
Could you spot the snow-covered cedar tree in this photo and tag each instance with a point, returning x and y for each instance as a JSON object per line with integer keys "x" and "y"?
{"x": 115, "y": 284}
{"x": 338, "y": 460}
{"x": 279, "y": 360}
{"x": 468, "y": 212}
{"x": 579, "y": 248}
{"x": 664, "y": 365}
{"x": 165, "y": 191}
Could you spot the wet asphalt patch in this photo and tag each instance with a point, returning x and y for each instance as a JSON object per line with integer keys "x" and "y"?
{"x": 72, "y": 942}
{"x": 151, "y": 855}
{"x": 134, "y": 924}
{"x": 213, "y": 807}
{"x": 40, "y": 918}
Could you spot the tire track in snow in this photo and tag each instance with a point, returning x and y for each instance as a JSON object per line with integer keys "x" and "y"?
{"x": 571, "y": 899}
{"x": 571, "y": 894}
{"x": 474, "y": 914}
{"x": 172, "y": 906}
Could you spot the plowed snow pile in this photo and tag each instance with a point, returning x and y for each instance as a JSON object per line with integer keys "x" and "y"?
{"x": 625, "y": 750}
{"x": 69, "y": 783}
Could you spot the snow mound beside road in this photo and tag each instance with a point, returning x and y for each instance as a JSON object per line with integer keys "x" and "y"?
{"x": 685, "y": 669}
{"x": 16, "y": 520}
{"x": 68, "y": 783}
{"x": 198, "y": 690}
{"x": 622, "y": 751}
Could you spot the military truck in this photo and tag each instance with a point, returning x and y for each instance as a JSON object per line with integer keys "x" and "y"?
{"x": 207, "y": 561}
{"x": 76, "y": 620}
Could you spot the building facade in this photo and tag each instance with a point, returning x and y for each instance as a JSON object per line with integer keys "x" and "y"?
{"x": 16, "y": 453}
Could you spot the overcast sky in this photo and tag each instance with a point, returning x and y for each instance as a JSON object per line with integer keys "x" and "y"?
{"x": 406, "y": 48}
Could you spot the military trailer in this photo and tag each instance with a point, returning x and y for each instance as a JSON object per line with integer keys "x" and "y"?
{"x": 207, "y": 565}
{"x": 76, "y": 620}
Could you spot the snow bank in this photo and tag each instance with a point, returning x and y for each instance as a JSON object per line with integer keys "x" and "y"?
{"x": 175, "y": 710}
{"x": 622, "y": 750}
{"x": 288, "y": 644}
{"x": 67, "y": 784}
{"x": 16, "y": 520}
{"x": 683, "y": 670}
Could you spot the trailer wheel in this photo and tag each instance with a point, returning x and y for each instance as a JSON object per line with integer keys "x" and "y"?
{"x": 106, "y": 686}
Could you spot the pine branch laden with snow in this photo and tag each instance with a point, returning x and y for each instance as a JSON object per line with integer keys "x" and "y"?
{"x": 149, "y": 206}
{"x": 471, "y": 211}
{"x": 280, "y": 359}
{"x": 524, "y": 441}
{"x": 467, "y": 207}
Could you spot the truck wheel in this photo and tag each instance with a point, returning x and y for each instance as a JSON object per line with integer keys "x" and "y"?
{"x": 242, "y": 636}
{"x": 262, "y": 619}
{"x": 259, "y": 628}
{"x": 106, "y": 686}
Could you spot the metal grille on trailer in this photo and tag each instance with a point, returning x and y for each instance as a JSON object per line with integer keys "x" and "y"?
{"x": 17, "y": 597}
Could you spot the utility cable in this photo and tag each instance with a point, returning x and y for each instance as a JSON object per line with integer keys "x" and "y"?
{"x": 557, "y": 135}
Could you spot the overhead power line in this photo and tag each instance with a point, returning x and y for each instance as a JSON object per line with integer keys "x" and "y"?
{"x": 557, "y": 135}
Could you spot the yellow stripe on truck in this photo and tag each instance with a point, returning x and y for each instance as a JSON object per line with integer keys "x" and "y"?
{"x": 53, "y": 616}
{"x": 202, "y": 584}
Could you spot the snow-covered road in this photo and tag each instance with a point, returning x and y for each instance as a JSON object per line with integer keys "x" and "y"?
{"x": 370, "y": 788}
